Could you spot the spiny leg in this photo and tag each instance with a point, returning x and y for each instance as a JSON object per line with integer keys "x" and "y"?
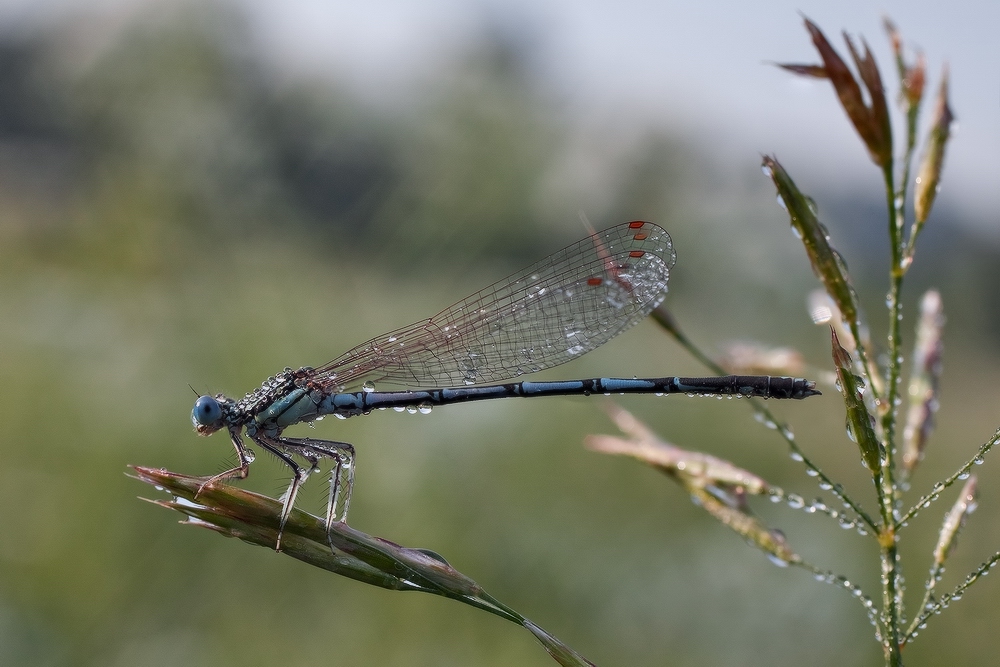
{"x": 342, "y": 454}
{"x": 345, "y": 462}
{"x": 299, "y": 476}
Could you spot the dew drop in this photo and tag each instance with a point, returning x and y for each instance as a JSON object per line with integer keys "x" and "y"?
{"x": 250, "y": 456}
{"x": 424, "y": 408}
{"x": 368, "y": 387}
{"x": 777, "y": 560}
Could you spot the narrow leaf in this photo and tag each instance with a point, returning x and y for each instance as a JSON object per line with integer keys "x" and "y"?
{"x": 929, "y": 178}
{"x": 826, "y": 261}
{"x": 815, "y": 71}
{"x": 860, "y": 423}
{"x": 880, "y": 126}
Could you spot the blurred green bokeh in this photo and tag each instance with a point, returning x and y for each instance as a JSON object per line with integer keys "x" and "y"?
{"x": 174, "y": 210}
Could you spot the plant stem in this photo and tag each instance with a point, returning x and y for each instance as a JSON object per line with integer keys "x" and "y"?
{"x": 885, "y": 485}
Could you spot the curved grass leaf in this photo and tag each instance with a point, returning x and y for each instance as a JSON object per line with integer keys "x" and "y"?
{"x": 871, "y": 121}
{"x": 860, "y": 423}
{"x": 255, "y": 518}
{"x": 929, "y": 177}
{"x": 826, "y": 261}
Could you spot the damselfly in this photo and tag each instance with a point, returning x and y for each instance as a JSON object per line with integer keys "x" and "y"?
{"x": 555, "y": 310}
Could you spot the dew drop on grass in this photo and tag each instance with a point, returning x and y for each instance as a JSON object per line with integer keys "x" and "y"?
{"x": 780, "y": 562}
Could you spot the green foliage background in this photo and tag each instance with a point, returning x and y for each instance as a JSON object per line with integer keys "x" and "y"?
{"x": 173, "y": 211}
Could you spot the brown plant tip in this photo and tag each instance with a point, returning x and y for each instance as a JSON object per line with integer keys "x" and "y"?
{"x": 894, "y": 37}
{"x": 912, "y": 77}
{"x": 872, "y": 121}
{"x": 840, "y": 356}
{"x": 914, "y": 80}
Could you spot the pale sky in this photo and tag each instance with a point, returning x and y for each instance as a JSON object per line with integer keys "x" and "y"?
{"x": 698, "y": 66}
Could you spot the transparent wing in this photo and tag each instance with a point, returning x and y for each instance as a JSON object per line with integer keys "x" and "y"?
{"x": 564, "y": 306}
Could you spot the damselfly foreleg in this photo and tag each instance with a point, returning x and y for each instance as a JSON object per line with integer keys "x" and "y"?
{"x": 243, "y": 455}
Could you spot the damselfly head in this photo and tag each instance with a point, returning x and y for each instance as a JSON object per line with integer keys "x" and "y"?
{"x": 207, "y": 415}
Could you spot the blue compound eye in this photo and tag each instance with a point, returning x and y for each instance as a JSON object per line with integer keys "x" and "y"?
{"x": 207, "y": 412}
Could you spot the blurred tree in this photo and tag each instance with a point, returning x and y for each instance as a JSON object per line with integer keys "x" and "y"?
{"x": 474, "y": 158}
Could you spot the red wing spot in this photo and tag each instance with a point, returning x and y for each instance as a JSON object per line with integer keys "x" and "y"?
{"x": 641, "y": 236}
{"x": 636, "y": 224}
{"x": 595, "y": 281}
{"x": 637, "y": 253}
